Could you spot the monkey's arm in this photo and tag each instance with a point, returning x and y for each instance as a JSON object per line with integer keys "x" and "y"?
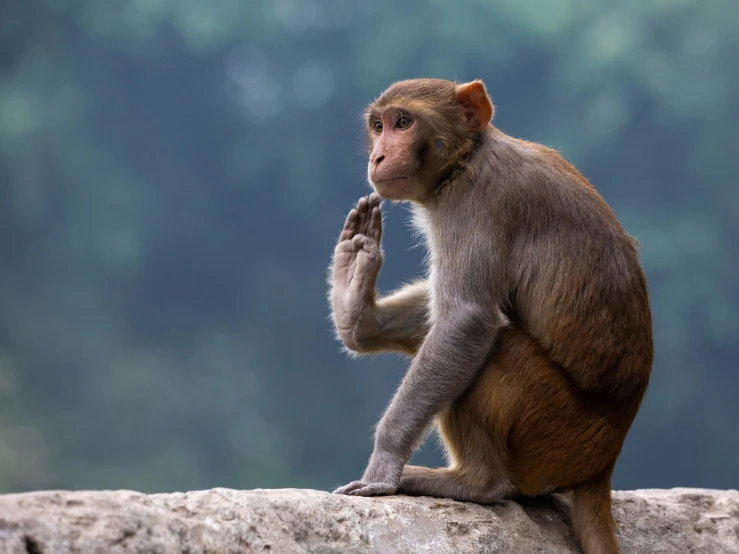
{"x": 364, "y": 323}
{"x": 447, "y": 362}
{"x": 395, "y": 323}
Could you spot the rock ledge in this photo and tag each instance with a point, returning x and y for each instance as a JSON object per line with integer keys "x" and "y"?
{"x": 691, "y": 521}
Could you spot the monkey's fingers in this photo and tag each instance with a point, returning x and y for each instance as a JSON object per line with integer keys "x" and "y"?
{"x": 360, "y": 242}
{"x": 370, "y": 259}
{"x": 350, "y": 225}
{"x": 368, "y": 244}
{"x": 374, "y": 489}
{"x": 362, "y": 214}
{"x": 347, "y": 246}
{"x": 373, "y": 200}
{"x": 347, "y": 489}
{"x": 375, "y": 225}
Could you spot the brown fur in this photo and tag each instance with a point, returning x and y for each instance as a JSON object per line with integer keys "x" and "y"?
{"x": 531, "y": 337}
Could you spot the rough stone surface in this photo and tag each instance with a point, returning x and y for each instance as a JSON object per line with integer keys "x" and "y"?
{"x": 676, "y": 521}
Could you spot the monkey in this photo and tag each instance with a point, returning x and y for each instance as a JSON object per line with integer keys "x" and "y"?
{"x": 530, "y": 337}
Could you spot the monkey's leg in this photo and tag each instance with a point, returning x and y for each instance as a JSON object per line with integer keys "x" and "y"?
{"x": 444, "y": 368}
{"x": 556, "y": 436}
{"x": 476, "y": 451}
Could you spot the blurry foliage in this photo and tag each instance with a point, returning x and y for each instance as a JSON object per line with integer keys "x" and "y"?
{"x": 173, "y": 175}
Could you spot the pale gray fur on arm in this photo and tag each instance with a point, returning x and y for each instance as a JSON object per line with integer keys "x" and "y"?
{"x": 364, "y": 323}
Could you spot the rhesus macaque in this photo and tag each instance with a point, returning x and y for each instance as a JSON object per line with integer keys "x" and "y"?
{"x": 531, "y": 337}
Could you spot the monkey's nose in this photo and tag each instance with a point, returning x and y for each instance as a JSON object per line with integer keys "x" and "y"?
{"x": 376, "y": 161}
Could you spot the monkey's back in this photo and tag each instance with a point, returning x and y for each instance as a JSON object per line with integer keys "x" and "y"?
{"x": 577, "y": 285}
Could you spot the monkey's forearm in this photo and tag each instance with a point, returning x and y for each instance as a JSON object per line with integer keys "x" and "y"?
{"x": 447, "y": 363}
{"x": 365, "y": 324}
{"x": 397, "y": 322}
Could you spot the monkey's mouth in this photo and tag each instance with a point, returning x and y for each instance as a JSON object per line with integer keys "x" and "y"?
{"x": 389, "y": 179}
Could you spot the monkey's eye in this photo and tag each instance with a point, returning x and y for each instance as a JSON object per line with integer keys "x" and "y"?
{"x": 403, "y": 122}
{"x": 378, "y": 126}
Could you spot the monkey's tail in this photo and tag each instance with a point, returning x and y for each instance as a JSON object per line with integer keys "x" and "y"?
{"x": 592, "y": 517}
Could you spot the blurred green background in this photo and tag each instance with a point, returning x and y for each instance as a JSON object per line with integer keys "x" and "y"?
{"x": 174, "y": 175}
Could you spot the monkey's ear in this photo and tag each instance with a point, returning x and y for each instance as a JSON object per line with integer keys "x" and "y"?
{"x": 478, "y": 109}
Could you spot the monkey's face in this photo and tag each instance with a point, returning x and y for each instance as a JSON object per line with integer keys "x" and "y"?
{"x": 396, "y": 167}
{"x": 417, "y": 132}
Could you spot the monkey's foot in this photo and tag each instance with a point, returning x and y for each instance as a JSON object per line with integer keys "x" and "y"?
{"x": 452, "y": 483}
{"x": 360, "y": 488}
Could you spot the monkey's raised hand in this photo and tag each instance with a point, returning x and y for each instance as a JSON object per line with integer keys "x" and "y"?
{"x": 357, "y": 262}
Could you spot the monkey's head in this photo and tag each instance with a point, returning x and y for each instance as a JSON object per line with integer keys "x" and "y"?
{"x": 418, "y": 130}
